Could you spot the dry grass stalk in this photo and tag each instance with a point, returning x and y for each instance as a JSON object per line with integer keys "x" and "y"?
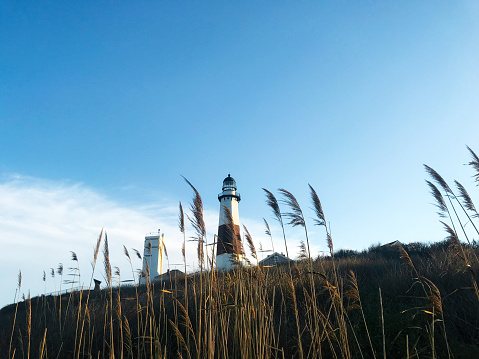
{"x": 181, "y": 225}
{"x": 29, "y": 322}
{"x": 42, "y": 345}
{"x": 468, "y": 204}
{"x": 197, "y": 211}
{"x": 353, "y": 295}
{"x": 19, "y": 286}
{"x": 128, "y": 340}
{"x": 273, "y": 204}
{"x": 249, "y": 240}
{"x": 382, "y": 324}
{"x": 179, "y": 336}
{"x": 296, "y": 218}
{"x": 96, "y": 250}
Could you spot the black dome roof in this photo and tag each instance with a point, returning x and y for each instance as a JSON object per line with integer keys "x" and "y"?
{"x": 229, "y": 182}
{"x": 229, "y": 179}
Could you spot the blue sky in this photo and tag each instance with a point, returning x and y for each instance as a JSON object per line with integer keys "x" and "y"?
{"x": 104, "y": 105}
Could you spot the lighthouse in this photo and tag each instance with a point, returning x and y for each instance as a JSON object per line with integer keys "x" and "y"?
{"x": 228, "y": 249}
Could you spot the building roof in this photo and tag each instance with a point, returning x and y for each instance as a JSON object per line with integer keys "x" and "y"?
{"x": 275, "y": 258}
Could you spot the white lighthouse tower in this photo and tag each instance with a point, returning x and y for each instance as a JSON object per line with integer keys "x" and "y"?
{"x": 228, "y": 249}
{"x": 152, "y": 256}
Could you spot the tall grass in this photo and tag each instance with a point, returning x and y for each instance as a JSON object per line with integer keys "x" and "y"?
{"x": 316, "y": 307}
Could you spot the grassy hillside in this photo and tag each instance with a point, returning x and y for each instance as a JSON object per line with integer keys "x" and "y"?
{"x": 391, "y": 301}
{"x": 428, "y": 300}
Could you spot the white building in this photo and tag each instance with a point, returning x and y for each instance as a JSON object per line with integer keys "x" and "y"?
{"x": 152, "y": 256}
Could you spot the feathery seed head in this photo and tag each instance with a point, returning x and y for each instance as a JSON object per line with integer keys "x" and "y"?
{"x": 437, "y": 177}
{"x": 303, "y": 254}
{"x": 200, "y": 251}
{"x": 126, "y": 253}
{"x": 272, "y": 202}
{"x": 29, "y": 318}
{"x": 181, "y": 219}
{"x": 106, "y": 260}
{"x": 403, "y": 254}
{"x": 329, "y": 240}
{"x": 137, "y": 253}
{"x": 474, "y": 163}
{"x": 452, "y": 236}
{"x": 197, "y": 210}
{"x": 296, "y": 215}
{"x": 466, "y": 199}
{"x": 454, "y": 242}
{"x": 318, "y": 209}
{"x": 353, "y": 292}
{"x": 249, "y": 239}
{"x": 60, "y": 269}
{"x": 434, "y": 297}
{"x": 440, "y": 203}
{"x": 97, "y": 247}
{"x": 267, "y": 231}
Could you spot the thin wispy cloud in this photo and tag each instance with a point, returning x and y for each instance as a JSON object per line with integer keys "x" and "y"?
{"x": 42, "y": 221}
